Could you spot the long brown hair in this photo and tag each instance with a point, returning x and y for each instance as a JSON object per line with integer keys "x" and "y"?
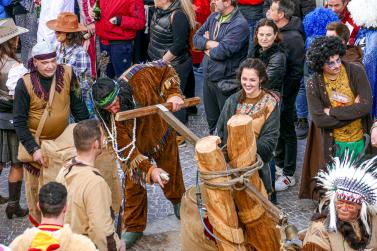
{"x": 270, "y": 23}
{"x": 74, "y": 38}
{"x": 9, "y": 49}
{"x": 257, "y": 65}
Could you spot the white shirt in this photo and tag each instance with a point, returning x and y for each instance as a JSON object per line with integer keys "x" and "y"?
{"x": 14, "y": 74}
{"x": 50, "y": 10}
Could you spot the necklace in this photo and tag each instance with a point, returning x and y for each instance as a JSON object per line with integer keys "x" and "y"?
{"x": 113, "y": 136}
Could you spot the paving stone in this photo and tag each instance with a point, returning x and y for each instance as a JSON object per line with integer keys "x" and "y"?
{"x": 162, "y": 232}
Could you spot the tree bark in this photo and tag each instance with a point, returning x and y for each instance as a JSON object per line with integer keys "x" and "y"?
{"x": 221, "y": 209}
{"x": 242, "y": 149}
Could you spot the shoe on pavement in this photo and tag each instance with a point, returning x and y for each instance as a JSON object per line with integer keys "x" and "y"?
{"x": 278, "y": 171}
{"x": 302, "y": 128}
{"x": 283, "y": 182}
{"x": 131, "y": 238}
{"x": 177, "y": 208}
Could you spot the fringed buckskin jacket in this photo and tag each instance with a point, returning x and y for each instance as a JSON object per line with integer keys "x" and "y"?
{"x": 318, "y": 238}
{"x": 151, "y": 84}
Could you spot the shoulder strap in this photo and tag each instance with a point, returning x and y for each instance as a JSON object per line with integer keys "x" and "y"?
{"x": 47, "y": 111}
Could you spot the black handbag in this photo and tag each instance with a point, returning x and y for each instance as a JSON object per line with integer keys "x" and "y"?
{"x": 6, "y": 121}
{"x": 228, "y": 86}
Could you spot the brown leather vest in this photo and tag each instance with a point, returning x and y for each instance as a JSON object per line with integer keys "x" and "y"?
{"x": 57, "y": 120}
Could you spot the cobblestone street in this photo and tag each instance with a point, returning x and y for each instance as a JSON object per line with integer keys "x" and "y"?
{"x": 163, "y": 228}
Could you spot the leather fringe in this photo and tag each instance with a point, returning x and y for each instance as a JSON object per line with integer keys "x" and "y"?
{"x": 31, "y": 169}
{"x": 312, "y": 247}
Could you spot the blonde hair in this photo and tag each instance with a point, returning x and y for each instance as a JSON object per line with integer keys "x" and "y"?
{"x": 188, "y": 9}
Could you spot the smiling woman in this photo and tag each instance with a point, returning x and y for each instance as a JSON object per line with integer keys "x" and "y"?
{"x": 261, "y": 105}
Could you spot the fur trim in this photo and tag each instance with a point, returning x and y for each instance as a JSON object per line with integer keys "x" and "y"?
{"x": 364, "y": 12}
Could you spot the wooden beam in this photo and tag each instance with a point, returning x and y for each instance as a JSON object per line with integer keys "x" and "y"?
{"x": 149, "y": 110}
{"x": 176, "y": 124}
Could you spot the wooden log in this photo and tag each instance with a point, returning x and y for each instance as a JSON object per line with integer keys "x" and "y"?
{"x": 149, "y": 110}
{"x": 241, "y": 144}
{"x": 242, "y": 149}
{"x": 220, "y": 206}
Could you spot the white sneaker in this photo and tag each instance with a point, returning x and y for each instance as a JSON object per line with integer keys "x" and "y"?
{"x": 283, "y": 182}
{"x": 278, "y": 171}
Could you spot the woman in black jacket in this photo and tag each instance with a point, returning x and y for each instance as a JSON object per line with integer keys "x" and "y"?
{"x": 268, "y": 49}
{"x": 170, "y": 30}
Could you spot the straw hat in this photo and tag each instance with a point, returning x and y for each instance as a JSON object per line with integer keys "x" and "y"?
{"x": 9, "y": 30}
{"x": 66, "y": 22}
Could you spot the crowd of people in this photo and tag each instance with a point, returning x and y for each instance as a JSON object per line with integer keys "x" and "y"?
{"x": 300, "y": 68}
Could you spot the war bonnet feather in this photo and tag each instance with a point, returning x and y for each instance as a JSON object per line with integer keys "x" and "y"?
{"x": 364, "y": 12}
{"x": 353, "y": 182}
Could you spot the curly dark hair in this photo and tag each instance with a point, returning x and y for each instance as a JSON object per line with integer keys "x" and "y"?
{"x": 321, "y": 50}
{"x": 258, "y": 66}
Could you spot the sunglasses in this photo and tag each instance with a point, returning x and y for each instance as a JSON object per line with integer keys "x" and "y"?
{"x": 332, "y": 64}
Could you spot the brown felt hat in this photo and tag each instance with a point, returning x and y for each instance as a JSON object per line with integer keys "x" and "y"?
{"x": 66, "y": 22}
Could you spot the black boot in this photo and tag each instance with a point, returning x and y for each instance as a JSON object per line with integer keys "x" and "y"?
{"x": 13, "y": 207}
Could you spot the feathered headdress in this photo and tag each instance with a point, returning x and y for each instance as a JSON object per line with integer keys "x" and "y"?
{"x": 364, "y": 12}
{"x": 353, "y": 182}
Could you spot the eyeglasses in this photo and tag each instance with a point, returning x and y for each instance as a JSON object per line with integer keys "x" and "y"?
{"x": 332, "y": 64}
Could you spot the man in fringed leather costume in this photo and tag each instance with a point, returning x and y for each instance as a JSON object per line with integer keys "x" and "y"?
{"x": 349, "y": 220}
{"x": 139, "y": 141}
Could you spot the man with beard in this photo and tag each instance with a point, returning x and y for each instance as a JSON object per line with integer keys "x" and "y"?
{"x": 224, "y": 38}
{"x": 349, "y": 222}
{"x": 339, "y": 98}
{"x": 136, "y": 142}
{"x": 341, "y": 9}
{"x": 89, "y": 197}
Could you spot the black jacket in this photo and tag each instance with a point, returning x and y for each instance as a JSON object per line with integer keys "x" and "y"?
{"x": 276, "y": 62}
{"x": 302, "y": 7}
{"x": 169, "y": 30}
{"x": 294, "y": 41}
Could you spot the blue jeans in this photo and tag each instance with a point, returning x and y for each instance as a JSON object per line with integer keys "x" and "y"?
{"x": 120, "y": 53}
{"x": 301, "y": 102}
{"x": 252, "y": 23}
{"x": 252, "y": 13}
